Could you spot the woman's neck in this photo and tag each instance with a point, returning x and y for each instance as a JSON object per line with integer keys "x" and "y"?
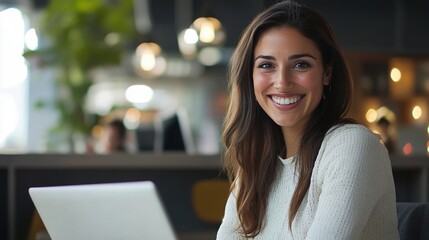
{"x": 292, "y": 140}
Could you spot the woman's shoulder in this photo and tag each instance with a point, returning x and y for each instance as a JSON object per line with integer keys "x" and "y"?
{"x": 351, "y": 137}
{"x": 353, "y": 144}
{"x": 353, "y": 130}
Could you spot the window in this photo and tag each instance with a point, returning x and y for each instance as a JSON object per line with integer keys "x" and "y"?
{"x": 13, "y": 81}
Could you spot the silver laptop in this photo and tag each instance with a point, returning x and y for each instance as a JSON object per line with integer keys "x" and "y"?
{"x": 130, "y": 210}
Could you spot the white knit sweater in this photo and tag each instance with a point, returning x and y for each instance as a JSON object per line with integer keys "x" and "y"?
{"x": 351, "y": 194}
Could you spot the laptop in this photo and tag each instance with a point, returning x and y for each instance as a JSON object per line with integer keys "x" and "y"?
{"x": 128, "y": 210}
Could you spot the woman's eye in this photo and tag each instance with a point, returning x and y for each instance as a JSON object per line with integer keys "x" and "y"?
{"x": 265, "y": 65}
{"x": 302, "y": 65}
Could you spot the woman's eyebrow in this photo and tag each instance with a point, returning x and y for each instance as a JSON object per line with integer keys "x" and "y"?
{"x": 266, "y": 57}
{"x": 293, "y": 57}
{"x": 296, "y": 56}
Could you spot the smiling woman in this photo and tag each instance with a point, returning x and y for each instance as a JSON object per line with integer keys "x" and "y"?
{"x": 299, "y": 168}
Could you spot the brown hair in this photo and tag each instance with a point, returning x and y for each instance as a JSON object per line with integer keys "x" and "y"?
{"x": 252, "y": 140}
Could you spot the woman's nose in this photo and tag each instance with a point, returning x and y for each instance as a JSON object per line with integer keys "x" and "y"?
{"x": 283, "y": 81}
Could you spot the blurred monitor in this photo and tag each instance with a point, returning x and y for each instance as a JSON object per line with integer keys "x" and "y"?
{"x": 173, "y": 132}
{"x": 145, "y": 137}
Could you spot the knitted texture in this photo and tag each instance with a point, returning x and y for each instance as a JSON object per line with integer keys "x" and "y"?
{"x": 351, "y": 194}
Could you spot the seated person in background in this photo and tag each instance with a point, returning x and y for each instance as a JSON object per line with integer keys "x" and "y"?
{"x": 383, "y": 126}
{"x": 114, "y": 137}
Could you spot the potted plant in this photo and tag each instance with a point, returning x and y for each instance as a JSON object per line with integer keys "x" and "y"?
{"x": 81, "y": 35}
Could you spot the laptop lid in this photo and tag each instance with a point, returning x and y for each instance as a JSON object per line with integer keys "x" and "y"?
{"x": 129, "y": 210}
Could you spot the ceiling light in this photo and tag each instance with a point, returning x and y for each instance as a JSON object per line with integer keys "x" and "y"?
{"x": 149, "y": 60}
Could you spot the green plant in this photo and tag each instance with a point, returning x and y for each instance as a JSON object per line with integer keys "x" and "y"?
{"x": 81, "y": 35}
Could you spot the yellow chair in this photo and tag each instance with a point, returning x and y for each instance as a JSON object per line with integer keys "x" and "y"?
{"x": 209, "y": 198}
{"x": 37, "y": 228}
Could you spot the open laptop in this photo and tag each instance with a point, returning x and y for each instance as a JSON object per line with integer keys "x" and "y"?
{"x": 129, "y": 210}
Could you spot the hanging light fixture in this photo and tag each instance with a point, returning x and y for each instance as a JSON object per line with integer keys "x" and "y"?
{"x": 210, "y": 31}
{"x": 187, "y": 40}
{"x": 149, "y": 60}
{"x": 205, "y": 35}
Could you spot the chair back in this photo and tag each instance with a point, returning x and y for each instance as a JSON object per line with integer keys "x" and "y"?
{"x": 209, "y": 198}
{"x": 413, "y": 220}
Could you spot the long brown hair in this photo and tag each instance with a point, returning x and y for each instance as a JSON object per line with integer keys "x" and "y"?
{"x": 252, "y": 140}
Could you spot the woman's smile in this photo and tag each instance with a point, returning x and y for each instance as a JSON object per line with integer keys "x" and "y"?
{"x": 286, "y": 100}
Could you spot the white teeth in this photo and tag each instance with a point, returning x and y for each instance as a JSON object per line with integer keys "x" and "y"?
{"x": 286, "y": 101}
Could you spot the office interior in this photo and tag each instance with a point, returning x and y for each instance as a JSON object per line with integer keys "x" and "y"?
{"x": 68, "y": 68}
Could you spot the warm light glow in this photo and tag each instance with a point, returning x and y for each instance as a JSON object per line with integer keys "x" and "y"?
{"x": 31, "y": 39}
{"x": 132, "y": 118}
{"x": 147, "y": 53}
{"x": 407, "y": 149}
{"x": 427, "y": 129}
{"x": 209, "y": 30}
{"x": 199, "y": 22}
{"x": 139, "y": 94}
{"x": 417, "y": 112}
{"x": 395, "y": 75}
{"x": 147, "y": 61}
{"x": 190, "y": 36}
{"x": 97, "y": 131}
{"x": 371, "y": 115}
{"x": 383, "y": 111}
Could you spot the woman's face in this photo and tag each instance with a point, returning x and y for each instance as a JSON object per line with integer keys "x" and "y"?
{"x": 288, "y": 76}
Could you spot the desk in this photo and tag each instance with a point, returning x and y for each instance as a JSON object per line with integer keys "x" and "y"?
{"x": 174, "y": 175}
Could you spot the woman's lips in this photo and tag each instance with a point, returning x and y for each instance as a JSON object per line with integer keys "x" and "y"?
{"x": 283, "y": 101}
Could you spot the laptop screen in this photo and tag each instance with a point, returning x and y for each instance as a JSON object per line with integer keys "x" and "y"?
{"x": 129, "y": 210}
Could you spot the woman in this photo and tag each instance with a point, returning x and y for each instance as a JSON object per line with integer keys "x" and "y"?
{"x": 299, "y": 168}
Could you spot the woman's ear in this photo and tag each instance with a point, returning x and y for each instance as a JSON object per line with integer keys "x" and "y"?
{"x": 327, "y": 75}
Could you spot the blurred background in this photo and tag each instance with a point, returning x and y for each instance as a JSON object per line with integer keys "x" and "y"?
{"x": 79, "y": 77}
{"x": 68, "y": 68}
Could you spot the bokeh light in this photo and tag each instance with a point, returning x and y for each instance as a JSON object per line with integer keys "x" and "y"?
{"x": 132, "y": 118}
{"x": 31, "y": 39}
{"x": 371, "y": 115}
{"x": 139, "y": 94}
{"x": 407, "y": 149}
{"x": 395, "y": 75}
{"x": 417, "y": 112}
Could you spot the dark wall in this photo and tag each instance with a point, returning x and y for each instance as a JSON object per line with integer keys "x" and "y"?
{"x": 3, "y": 204}
{"x": 381, "y": 26}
